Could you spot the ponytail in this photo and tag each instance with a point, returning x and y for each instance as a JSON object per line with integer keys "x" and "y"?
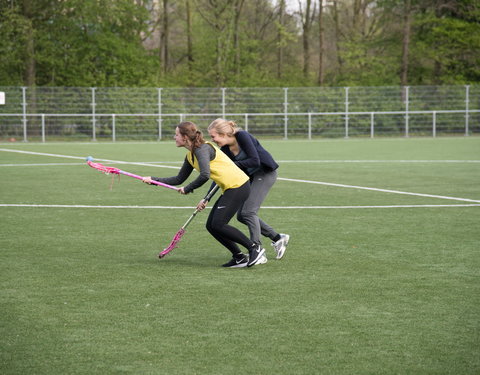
{"x": 193, "y": 134}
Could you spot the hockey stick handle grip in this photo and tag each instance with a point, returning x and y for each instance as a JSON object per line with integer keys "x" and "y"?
{"x": 211, "y": 193}
{"x": 207, "y": 198}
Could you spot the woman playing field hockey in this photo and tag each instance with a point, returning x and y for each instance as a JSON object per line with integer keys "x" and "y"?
{"x": 212, "y": 163}
{"x": 249, "y": 155}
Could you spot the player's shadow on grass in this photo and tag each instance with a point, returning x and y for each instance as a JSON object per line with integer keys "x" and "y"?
{"x": 199, "y": 261}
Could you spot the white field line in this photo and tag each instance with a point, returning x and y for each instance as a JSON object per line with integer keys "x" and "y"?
{"x": 40, "y": 164}
{"x": 379, "y": 190}
{"x": 154, "y": 163}
{"x": 65, "y": 164}
{"x": 263, "y": 207}
{"x": 41, "y": 153}
{"x": 161, "y": 164}
{"x": 280, "y": 178}
{"x": 378, "y": 161}
{"x": 83, "y": 158}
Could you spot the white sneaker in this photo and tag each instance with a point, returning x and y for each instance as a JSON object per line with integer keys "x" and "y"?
{"x": 281, "y": 245}
{"x": 263, "y": 259}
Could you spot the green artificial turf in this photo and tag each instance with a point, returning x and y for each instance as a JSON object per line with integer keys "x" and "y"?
{"x": 361, "y": 290}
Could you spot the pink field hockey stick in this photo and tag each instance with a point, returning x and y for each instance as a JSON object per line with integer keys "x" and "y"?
{"x": 111, "y": 170}
{"x": 178, "y": 236}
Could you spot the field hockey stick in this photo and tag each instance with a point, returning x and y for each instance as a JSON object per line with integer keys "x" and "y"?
{"x": 181, "y": 231}
{"x": 111, "y": 170}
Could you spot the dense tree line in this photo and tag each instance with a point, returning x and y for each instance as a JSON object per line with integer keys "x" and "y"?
{"x": 242, "y": 43}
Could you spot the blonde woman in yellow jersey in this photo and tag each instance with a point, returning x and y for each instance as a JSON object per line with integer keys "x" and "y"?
{"x": 211, "y": 163}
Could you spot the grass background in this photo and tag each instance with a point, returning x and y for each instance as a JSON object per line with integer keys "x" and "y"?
{"x": 360, "y": 290}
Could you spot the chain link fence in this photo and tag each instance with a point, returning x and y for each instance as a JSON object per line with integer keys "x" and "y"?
{"x": 124, "y": 114}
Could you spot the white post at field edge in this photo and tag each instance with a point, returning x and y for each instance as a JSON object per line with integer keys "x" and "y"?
{"x": 2, "y": 98}
{"x": 285, "y": 113}
{"x": 223, "y": 102}
{"x": 94, "y": 122}
{"x": 159, "y": 90}
{"x": 467, "y": 107}
{"x": 24, "y": 106}
{"x": 346, "y": 111}
{"x": 407, "y": 106}
{"x": 43, "y": 127}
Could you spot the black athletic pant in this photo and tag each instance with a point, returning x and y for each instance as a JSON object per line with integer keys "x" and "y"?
{"x": 222, "y": 212}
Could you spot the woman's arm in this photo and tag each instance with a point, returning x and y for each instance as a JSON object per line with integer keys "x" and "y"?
{"x": 246, "y": 143}
{"x": 204, "y": 154}
{"x": 183, "y": 174}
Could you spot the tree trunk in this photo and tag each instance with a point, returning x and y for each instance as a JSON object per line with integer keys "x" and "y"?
{"x": 236, "y": 36}
{"x": 405, "y": 43}
{"x": 321, "y": 41}
{"x": 356, "y": 15}
{"x": 214, "y": 13}
{"x": 29, "y": 72}
{"x": 306, "y": 39}
{"x": 218, "y": 54}
{"x": 164, "y": 53}
{"x": 189, "y": 36}
{"x": 337, "y": 36}
{"x": 280, "y": 42}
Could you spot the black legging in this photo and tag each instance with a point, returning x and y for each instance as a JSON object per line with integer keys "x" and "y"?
{"x": 222, "y": 212}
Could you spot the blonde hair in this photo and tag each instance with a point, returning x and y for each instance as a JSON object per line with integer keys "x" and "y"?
{"x": 190, "y": 130}
{"x": 222, "y": 126}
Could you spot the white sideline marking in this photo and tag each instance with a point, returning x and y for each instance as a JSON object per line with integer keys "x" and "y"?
{"x": 160, "y": 163}
{"x": 89, "y": 206}
{"x": 263, "y": 207}
{"x": 280, "y": 178}
{"x": 41, "y": 153}
{"x": 39, "y": 164}
{"x": 380, "y": 190}
{"x": 378, "y": 161}
{"x": 83, "y": 158}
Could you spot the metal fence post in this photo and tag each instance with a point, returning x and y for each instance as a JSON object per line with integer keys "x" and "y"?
{"x": 407, "y": 102}
{"x": 346, "y": 112}
{"x": 27, "y": 119}
{"x": 159, "y": 114}
{"x": 223, "y": 102}
{"x": 43, "y": 128}
{"x": 467, "y": 108}
{"x": 372, "y": 124}
{"x": 309, "y": 125}
{"x": 24, "y": 105}
{"x": 94, "y": 125}
{"x": 114, "y": 138}
{"x": 285, "y": 110}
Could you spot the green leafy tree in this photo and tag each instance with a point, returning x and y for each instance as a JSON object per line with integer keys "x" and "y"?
{"x": 209, "y": 43}
{"x": 13, "y": 28}
{"x": 447, "y": 42}
{"x": 76, "y": 42}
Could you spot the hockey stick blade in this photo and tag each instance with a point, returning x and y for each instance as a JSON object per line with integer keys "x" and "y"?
{"x": 181, "y": 231}
{"x": 173, "y": 244}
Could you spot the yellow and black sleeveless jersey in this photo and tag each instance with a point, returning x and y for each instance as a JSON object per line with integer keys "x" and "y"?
{"x": 222, "y": 170}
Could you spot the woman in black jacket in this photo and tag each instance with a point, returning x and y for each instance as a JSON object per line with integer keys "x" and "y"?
{"x": 248, "y": 154}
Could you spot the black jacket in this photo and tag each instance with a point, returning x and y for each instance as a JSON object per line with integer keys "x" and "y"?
{"x": 257, "y": 156}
